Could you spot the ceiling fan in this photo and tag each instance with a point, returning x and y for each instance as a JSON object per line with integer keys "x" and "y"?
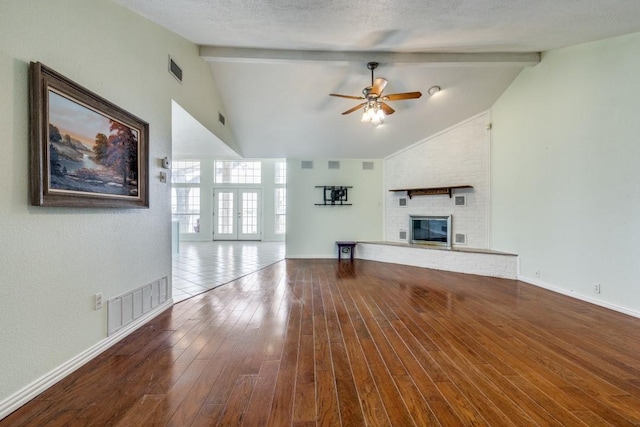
{"x": 375, "y": 106}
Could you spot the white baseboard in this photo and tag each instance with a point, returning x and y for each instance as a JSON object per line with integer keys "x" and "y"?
{"x": 24, "y": 395}
{"x": 323, "y": 256}
{"x": 549, "y": 287}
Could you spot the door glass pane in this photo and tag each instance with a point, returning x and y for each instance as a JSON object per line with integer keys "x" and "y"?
{"x": 249, "y": 213}
{"x": 225, "y": 212}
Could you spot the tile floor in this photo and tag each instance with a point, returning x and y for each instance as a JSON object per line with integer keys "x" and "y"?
{"x": 201, "y": 266}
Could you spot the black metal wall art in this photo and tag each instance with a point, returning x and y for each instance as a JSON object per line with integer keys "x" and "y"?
{"x": 334, "y": 195}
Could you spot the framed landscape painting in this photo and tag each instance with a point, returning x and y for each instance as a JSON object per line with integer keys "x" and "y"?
{"x": 85, "y": 151}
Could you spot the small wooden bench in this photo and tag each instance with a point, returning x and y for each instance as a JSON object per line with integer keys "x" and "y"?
{"x": 344, "y": 247}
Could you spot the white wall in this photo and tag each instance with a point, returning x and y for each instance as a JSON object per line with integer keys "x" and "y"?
{"x": 456, "y": 156}
{"x": 313, "y": 230}
{"x": 565, "y": 180}
{"x": 52, "y": 261}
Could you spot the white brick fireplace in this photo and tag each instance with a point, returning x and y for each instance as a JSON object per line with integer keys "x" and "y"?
{"x": 458, "y": 156}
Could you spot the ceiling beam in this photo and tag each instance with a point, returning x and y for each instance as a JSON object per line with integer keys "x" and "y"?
{"x": 235, "y": 54}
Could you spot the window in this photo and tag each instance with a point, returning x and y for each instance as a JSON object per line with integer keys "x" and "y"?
{"x": 238, "y": 172}
{"x": 185, "y": 172}
{"x": 185, "y": 207}
{"x": 281, "y": 172}
{"x": 281, "y": 196}
{"x": 185, "y": 195}
{"x": 281, "y": 210}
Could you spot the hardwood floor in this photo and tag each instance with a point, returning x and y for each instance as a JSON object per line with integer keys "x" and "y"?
{"x": 314, "y": 342}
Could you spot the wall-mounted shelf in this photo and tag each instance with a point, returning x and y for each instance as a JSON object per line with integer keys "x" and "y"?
{"x": 431, "y": 191}
{"x": 334, "y": 195}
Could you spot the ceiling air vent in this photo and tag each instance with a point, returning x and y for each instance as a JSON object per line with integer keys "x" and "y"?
{"x": 367, "y": 166}
{"x": 221, "y": 118}
{"x": 334, "y": 164}
{"x": 402, "y": 202}
{"x": 461, "y": 239}
{"x": 460, "y": 200}
{"x": 306, "y": 164}
{"x": 175, "y": 70}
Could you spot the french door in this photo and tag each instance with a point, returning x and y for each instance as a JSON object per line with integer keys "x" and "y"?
{"x": 237, "y": 213}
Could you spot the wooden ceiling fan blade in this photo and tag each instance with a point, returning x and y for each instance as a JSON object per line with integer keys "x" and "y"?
{"x": 378, "y": 85}
{"x": 357, "y": 107}
{"x": 346, "y": 96}
{"x": 401, "y": 96}
{"x": 387, "y": 110}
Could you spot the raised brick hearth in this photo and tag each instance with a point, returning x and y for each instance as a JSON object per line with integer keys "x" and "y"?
{"x": 483, "y": 262}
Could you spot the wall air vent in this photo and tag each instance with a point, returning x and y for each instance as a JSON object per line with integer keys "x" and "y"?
{"x": 460, "y": 239}
{"x": 402, "y": 202}
{"x": 460, "y": 200}
{"x": 402, "y": 235}
{"x": 175, "y": 70}
{"x": 306, "y": 164}
{"x": 334, "y": 164}
{"x": 129, "y": 306}
{"x": 367, "y": 166}
{"x": 221, "y": 118}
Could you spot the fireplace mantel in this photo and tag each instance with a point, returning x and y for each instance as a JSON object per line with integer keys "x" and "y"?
{"x": 431, "y": 191}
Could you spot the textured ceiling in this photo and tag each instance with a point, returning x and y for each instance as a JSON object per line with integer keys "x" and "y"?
{"x": 281, "y": 108}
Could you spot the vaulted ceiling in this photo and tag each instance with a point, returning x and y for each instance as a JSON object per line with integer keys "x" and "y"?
{"x": 276, "y": 61}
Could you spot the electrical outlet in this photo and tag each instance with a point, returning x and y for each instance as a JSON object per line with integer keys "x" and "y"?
{"x": 97, "y": 301}
{"x": 537, "y": 273}
{"x": 597, "y": 288}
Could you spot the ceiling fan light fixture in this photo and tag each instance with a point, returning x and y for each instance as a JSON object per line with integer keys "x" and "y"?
{"x": 365, "y": 115}
{"x": 375, "y": 107}
{"x": 373, "y": 113}
{"x": 434, "y": 90}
